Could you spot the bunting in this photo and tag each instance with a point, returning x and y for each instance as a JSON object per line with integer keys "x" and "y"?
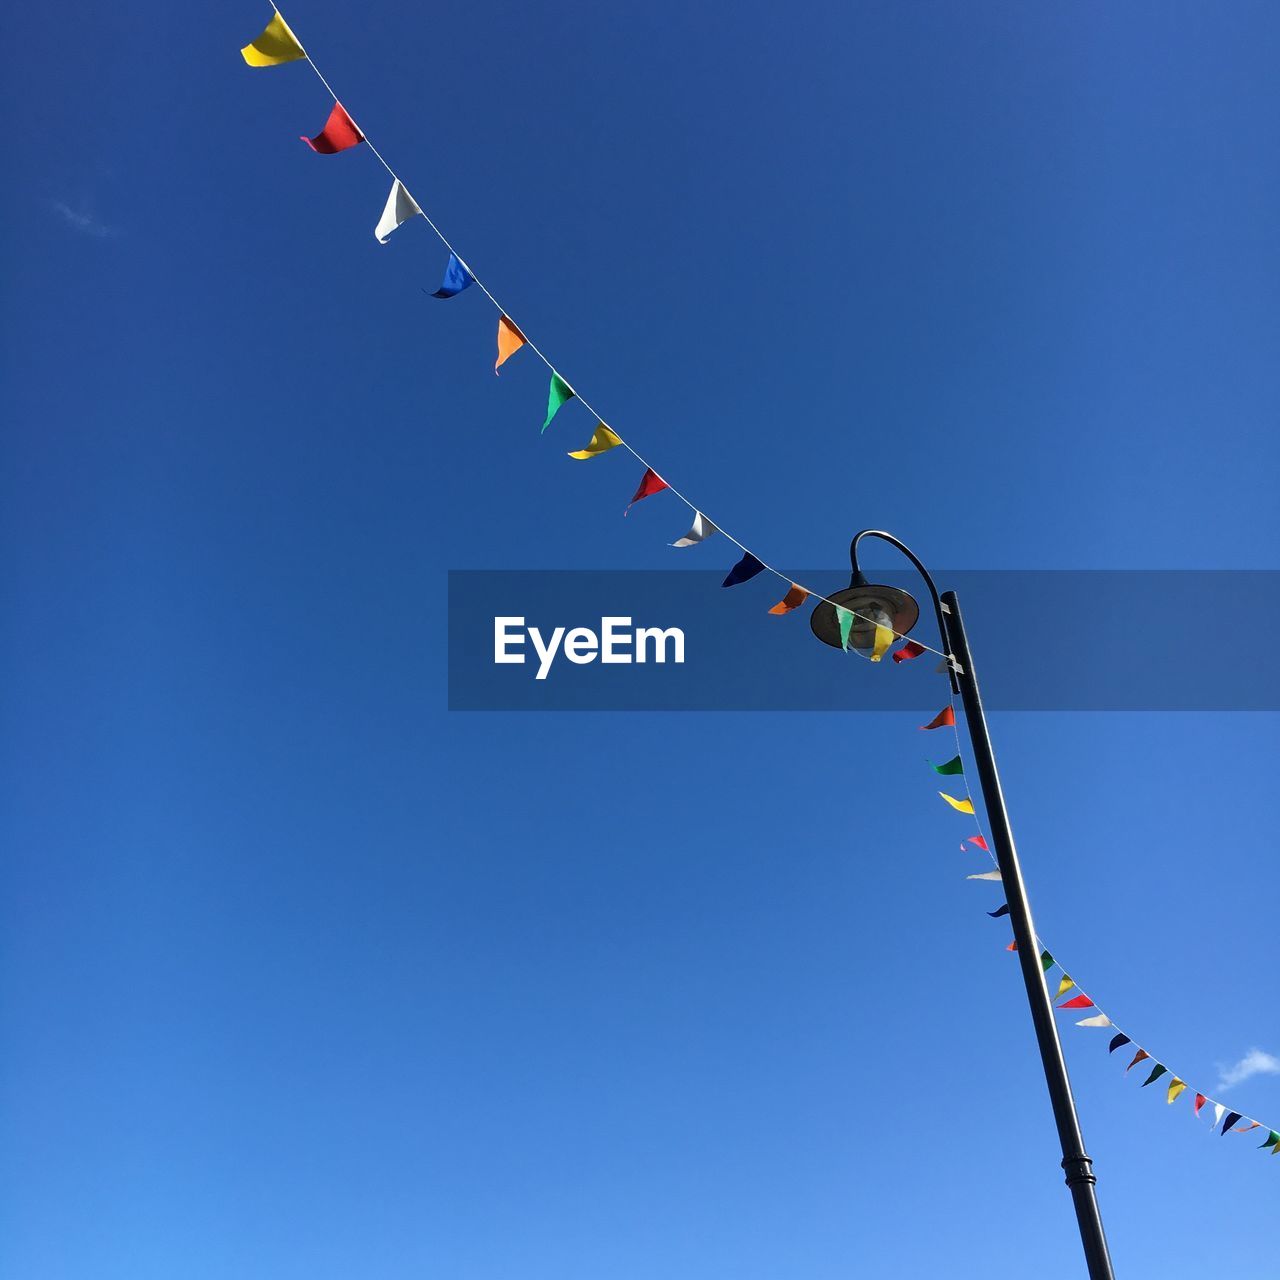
{"x": 602, "y": 440}
{"x": 457, "y": 276}
{"x": 650, "y": 483}
{"x": 559, "y": 394}
{"x": 743, "y": 571}
{"x": 795, "y": 597}
{"x": 1081, "y": 1001}
{"x": 946, "y": 716}
{"x": 844, "y": 617}
{"x": 510, "y": 340}
{"x": 699, "y": 531}
{"x": 276, "y": 45}
{"x": 400, "y": 207}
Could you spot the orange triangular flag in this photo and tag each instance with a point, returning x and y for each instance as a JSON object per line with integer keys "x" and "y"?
{"x": 510, "y": 340}
{"x": 795, "y": 597}
{"x": 946, "y": 716}
{"x": 1137, "y": 1058}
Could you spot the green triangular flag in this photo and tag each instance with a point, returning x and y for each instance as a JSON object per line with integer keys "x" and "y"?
{"x": 845, "y": 618}
{"x": 1272, "y": 1139}
{"x": 952, "y": 766}
{"x": 559, "y": 393}
{"x": 1156, "y": 1072}
{"x": 1046, "y": 962}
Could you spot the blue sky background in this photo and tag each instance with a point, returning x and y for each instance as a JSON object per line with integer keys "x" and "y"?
{"x": 303, "y": 976}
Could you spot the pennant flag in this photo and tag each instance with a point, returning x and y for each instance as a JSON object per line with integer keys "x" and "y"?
{"x": 1002, "y": 910}
{"x": 400, "y": 207}
{"x": 1013, "y": 946}
{"x": 845, "y": 618}
{"x": 1198, "y": 1103}
{"x": 650, "y": 483}
{"x": 457, "y": 276}
{"x": 960, "y": 806}
{"x": 1248, "y": 1128}
{"x": 743, "y": 571}
{"x": 1138, "y": 1057}
{"x": 1081, "y": 1001}
{"x": 1064, "y": 986}
{"x": 510, "y": 340}
{"x": 559, "y": 395}
{"x": 602, "y": 440}
{"x": 1156, "y": 1072}
{"x": 953, "y": 765}
{"x": 1046, "y": 962}
{"x": 338, "y": 134}
{"x": 1272, "y": 1138}
{"x": 944, "y": 717}
{"x": 908, "y": 651}
{"x": 1119, "y": 1040}
{"x": 980, "y": 841}
{"x": 1176, "y": 1086}
{"x": 795, "y": 597}
{"x": 1218, "y": 1111}
{"x": 700, "y": 529}
{"x": 1098, "y": 1020}
{"x": 986, "y": 875}
{"x": 884, "y": 637}
{"x": 276, "y": 45}
{"x": 1229, "y": 1121}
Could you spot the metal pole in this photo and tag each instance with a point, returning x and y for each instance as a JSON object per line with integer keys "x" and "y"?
{"x": 1076, "y": 1164}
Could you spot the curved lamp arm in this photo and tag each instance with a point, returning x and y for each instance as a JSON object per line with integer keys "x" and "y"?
{"x": 938, "y": 610}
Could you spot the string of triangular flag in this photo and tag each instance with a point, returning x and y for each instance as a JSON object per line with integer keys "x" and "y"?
{"x": 1224, "y": 1120}
{"x": 277, "y": 45}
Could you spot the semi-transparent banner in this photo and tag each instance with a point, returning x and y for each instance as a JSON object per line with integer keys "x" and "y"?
{"x": 1044, "y": 640}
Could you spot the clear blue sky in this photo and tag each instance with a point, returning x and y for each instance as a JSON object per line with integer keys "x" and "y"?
{"x": 304, "y": 976}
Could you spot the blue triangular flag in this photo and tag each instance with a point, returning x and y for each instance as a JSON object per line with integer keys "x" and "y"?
{"x": 456, "y": 278}
{"x": 745, "y": 569}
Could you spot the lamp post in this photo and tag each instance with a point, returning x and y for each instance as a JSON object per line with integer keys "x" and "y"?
{"x": 889, "y": 606}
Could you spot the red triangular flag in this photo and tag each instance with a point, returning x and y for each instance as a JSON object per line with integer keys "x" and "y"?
{"x": 1200, "y": 1101}
{"x": 338, "y": 134}
{"x": 980, "y": 841}
{"x": 908, "y": 651}
{"x": 944, "y": 717}
{"x": 651, "y": 483}
{"x": 1079, "y": 1002}
{"x": 1013, "y": 946}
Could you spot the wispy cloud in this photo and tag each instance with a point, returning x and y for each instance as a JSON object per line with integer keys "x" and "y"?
{"x": 81, "y": 220}
{"x": 1254, "y": 1063}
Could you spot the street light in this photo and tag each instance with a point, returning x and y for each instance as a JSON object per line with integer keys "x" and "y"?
{"x": 890, "y": 606}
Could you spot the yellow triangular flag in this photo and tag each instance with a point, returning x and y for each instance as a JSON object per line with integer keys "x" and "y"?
{"x": 601, "y": 441}
{"x": 1064, "y": 986}
{"x": 880, "y": 646}
{"x": 275, "y": 45}
{"x": 1176, "y": 1086}
{"x": 960, "y": 806}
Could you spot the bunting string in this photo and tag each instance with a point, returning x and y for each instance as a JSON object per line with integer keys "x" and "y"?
{"x": 278, "y": 44}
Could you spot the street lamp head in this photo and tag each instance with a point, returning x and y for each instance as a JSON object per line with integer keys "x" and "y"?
{"x": 871, "y": 604}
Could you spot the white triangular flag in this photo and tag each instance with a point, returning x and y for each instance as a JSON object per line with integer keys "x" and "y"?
{"x": 702, "y": 528}
{"x": 401, "y": 206}
{"x": 986, "y": 875}
{"x": 1218, "y": 1112}
{"x": 1098, "y": 1020}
